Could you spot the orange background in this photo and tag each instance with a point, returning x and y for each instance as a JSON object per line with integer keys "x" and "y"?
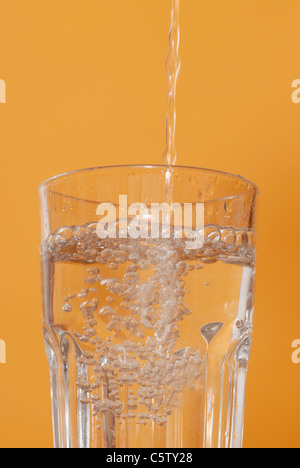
{"x": 86, "y": 86}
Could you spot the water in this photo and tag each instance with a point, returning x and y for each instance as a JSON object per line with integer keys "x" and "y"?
{"x": 173, "y": 67}
{"x": 153, "y": 337}
{"x": 137, "y": 323}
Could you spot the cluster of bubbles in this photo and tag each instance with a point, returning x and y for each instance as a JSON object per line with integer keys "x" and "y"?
{"x": 135, "y": 330}
{"x": 81, "y": 243}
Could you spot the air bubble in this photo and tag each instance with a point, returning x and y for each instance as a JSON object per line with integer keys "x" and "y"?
{"x": 69, "y": 298}
{"x": 88, "y": 307}
{"x": 67, "y": 308}
{"x": 81, "y": 233}
{"x": 239, "y": 324}
{"x": 91, "y": 279}
{"x": 107, "y": 310}
{"x": 131, "y": 278}
{"x": 93, "y": 271}
{"x": 131, "y": 269}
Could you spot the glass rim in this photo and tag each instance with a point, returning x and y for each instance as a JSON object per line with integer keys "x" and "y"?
{"x": 146, "y": 166}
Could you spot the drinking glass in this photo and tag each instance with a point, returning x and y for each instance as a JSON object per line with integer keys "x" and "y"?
{"x": 147, "y": 284}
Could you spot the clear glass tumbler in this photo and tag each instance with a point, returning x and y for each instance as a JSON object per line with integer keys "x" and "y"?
{"x": 148, "y": 275}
